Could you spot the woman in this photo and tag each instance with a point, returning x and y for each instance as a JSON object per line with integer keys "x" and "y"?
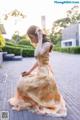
{"x": 38, "y": 90}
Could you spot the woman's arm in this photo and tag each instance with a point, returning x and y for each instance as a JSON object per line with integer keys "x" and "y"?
{"x": 41, "y": 48}
{"x": 33, "y": 67}
{"x": 50, "y": 67}
{"x": 39, "y": 44}
{"x": 25, "y": 73}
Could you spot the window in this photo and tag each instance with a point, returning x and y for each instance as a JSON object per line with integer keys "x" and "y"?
{"x": 68, "y": 43}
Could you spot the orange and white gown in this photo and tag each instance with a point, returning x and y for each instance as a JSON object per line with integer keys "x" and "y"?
{"x": 39, "y": 88}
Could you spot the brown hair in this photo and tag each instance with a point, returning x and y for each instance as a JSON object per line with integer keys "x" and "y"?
{"x": 32, "y": 30}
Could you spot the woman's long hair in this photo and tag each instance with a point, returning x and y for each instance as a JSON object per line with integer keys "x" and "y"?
{"x": 32, "y": 30}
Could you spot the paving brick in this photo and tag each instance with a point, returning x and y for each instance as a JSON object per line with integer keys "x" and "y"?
{"x": 67, "y": 75}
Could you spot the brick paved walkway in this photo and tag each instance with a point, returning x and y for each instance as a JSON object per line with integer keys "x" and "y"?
{"x": 67, "y": 73}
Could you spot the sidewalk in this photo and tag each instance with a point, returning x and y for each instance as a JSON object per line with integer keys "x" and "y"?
{"x": 67, "y": 73}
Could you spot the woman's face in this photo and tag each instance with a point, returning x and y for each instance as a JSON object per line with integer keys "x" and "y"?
{"x": 33, "y": 38}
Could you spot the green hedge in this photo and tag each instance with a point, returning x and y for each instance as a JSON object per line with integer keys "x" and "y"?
{"x": 9, "y": 43}
{"x": 75, "y": 50}
{"x": 25, "y": 46}
{"x": 24, "y": 42}
{"x": 12, "y": 49}
{"x": 27, "y": 51}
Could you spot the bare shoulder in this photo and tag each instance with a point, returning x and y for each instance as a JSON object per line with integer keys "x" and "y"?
{"x": 47, "y": 44}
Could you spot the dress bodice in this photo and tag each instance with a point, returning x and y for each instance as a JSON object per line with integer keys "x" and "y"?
{"x": 43, "y": 59}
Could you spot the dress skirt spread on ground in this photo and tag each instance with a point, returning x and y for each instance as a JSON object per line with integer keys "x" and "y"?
{"x": 39, "y": 92}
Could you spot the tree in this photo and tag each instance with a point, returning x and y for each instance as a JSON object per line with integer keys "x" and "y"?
{"x": 56, "y": 38}
{"x": 14, "y": 13}
{"x": 72, "y": 16}
{"x": 2, "y": 42}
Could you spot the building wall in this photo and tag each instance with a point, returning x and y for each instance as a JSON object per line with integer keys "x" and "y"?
{"x": 71, "y": 36}
{"x": 43, "y": 22}
{"x": 68, "y": 43}
{"x": 70, "y": 32}
{"x": 79, "y": 34}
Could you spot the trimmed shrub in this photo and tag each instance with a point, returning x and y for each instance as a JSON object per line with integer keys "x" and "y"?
{"x": 12, "y": 49}
{"x": 10, "y": 43}
{"x": 27, "y": 51}
{"x": 75, "y": 50}
{"x": 25, "y": 46}
{"x": 24, "y": 42}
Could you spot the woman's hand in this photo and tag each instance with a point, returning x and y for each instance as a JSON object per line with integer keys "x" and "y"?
{"x": 25, "y": 73}
{"x": 39, "y": 33}
{"x": 39, "y": 44}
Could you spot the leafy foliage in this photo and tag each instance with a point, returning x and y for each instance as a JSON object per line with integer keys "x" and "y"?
{"x": 14, "y": 13}
{"x": 74, "y": 50}
{"x": 19, "y": 49}
{"x": 2, "y": 42}
{"x": 72, "y": 16}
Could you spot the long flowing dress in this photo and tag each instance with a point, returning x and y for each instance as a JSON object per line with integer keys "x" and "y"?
{"x": 39, "y": 90}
